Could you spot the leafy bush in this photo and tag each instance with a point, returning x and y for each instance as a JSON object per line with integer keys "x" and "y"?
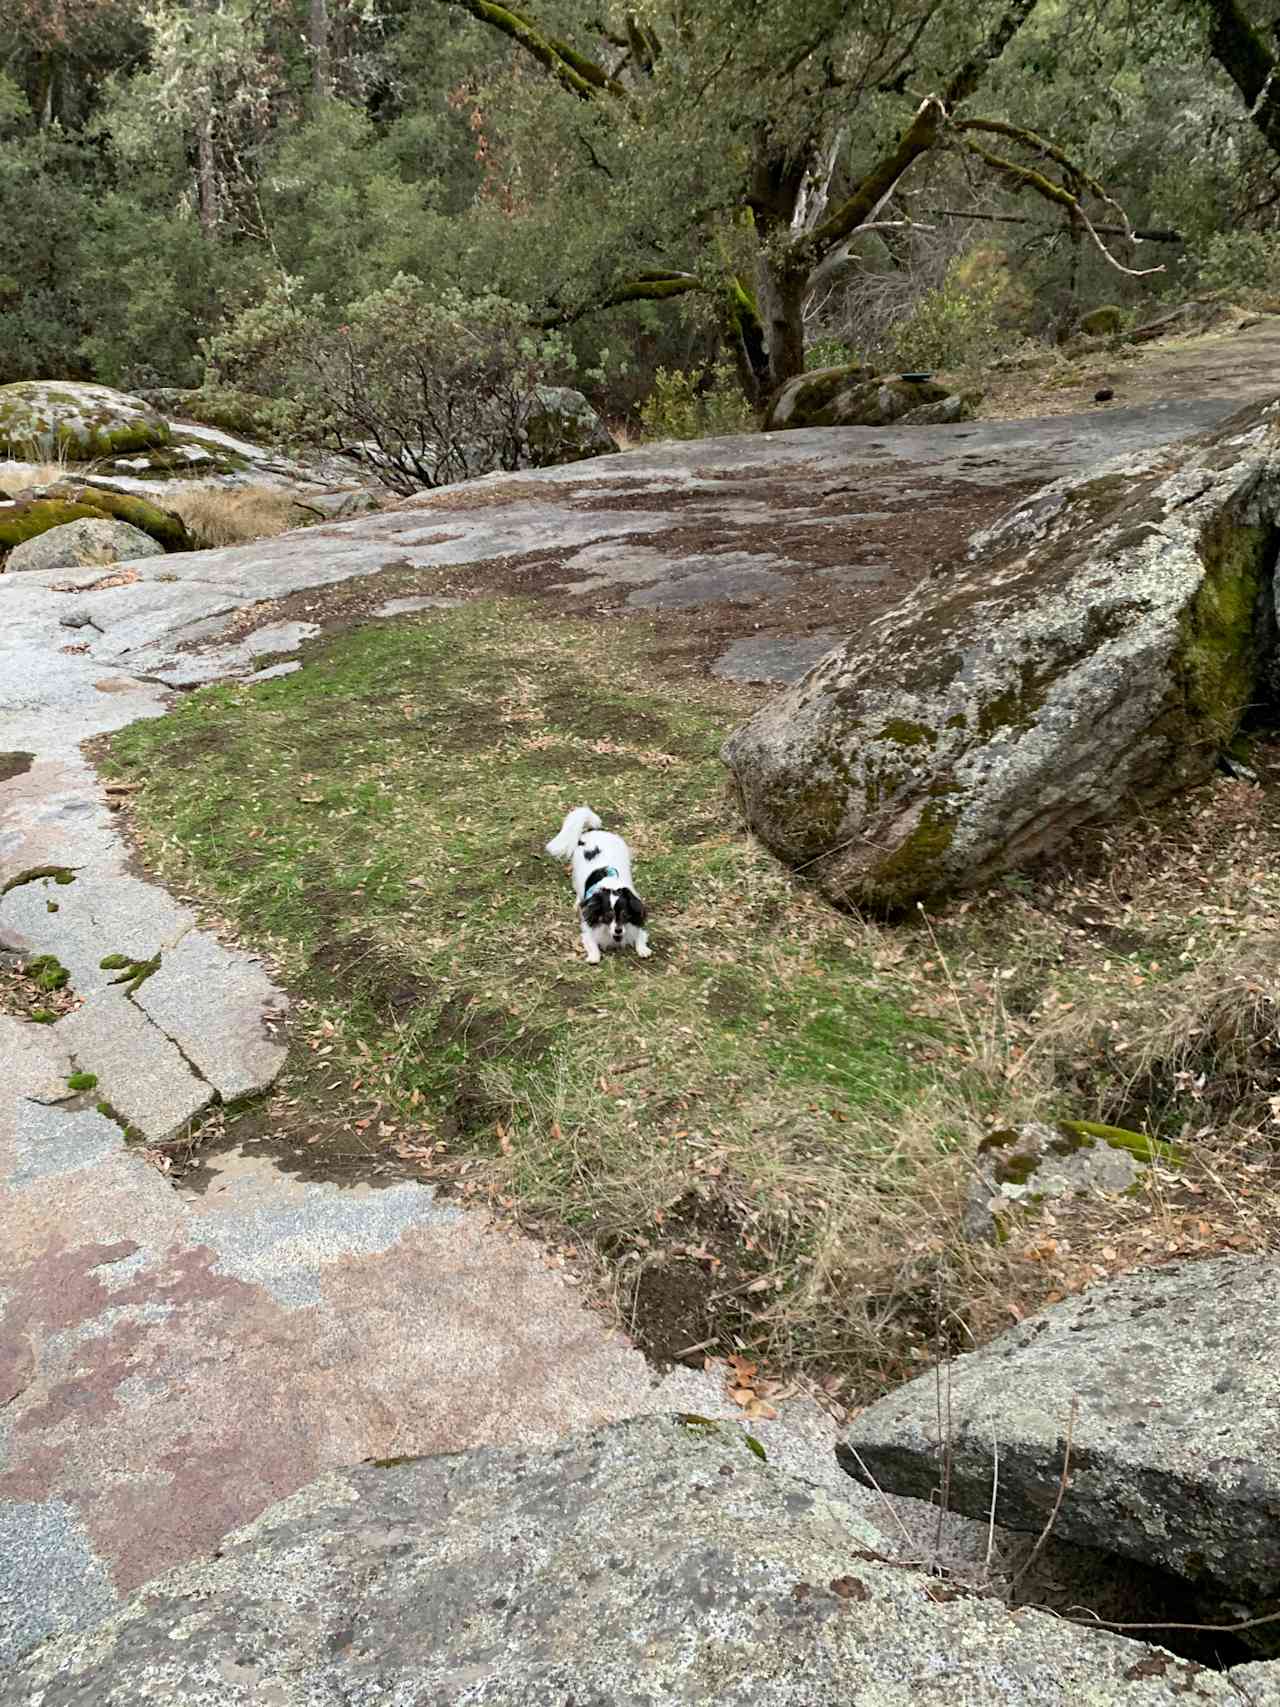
{"x": 829, "y": 352}
{"x": 696, "y": 403}
{"x": 1240, "y": 260}
{"x": 952, "y": 325}
{"x": 427, "y": 387}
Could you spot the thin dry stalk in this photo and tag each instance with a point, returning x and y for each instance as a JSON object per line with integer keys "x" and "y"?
{"x": 1052, "y": 1518}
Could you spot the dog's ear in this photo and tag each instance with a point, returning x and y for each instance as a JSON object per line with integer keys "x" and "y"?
{"x": 598, "y": 909}
{"x": 634, "y": 910}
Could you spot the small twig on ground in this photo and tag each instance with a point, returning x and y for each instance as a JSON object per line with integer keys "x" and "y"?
{"x": 1044, "y": 1534}
{"x": 1166, "y": 1624}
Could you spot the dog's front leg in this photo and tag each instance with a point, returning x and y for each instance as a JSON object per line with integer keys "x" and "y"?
{"x": 642, "y": 945}
{"x": 591, "y": 946}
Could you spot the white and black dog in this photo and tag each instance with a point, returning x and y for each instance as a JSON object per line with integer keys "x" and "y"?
{"x": 612, "y": 914}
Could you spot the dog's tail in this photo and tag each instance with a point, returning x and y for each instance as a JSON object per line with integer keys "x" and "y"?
{"x": 580, "y": 819}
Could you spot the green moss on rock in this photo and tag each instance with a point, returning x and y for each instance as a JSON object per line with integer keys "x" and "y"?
{"x": 908, "y": 734}
{"x": 1218, "y": 656}
{"x": 1078, "y": 1133}
{"x": 47, "y": 973}
{"x": 917, "y": 866}
{"x": 27, "y": 518}
{"x": 1102, "y": 322}
{"x": 40, "y": 419}
{"x": 164, "y": 526}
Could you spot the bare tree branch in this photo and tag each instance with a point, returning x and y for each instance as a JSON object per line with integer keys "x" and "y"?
{"x": 1140, "y": 234}
{"x": 1024, "y": 177}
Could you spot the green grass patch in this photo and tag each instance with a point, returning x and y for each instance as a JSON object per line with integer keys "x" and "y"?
{"x": 376, "y": 822}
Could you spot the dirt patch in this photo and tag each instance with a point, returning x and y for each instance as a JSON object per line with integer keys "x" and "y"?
{"x": 360, "y": 966}
{"x": 15, "y": 764}
{"x": 478, "y": 496}
{"x": 683, "y": 1293}
{"x": 1234, "y": 362}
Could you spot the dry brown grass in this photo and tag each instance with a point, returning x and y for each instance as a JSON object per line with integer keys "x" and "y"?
{"x": 17, "y": 477}
{"x": 237, "y": 515}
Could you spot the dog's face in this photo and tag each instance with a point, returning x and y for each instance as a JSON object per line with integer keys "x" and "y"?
{"x": 613, "y": 910}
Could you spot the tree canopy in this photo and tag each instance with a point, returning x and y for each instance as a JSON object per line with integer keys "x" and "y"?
{"x": 656, "y": 179}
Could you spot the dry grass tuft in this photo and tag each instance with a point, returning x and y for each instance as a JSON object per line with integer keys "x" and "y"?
{"x": 236, "y": 515}
{"x": 16, "y": 477}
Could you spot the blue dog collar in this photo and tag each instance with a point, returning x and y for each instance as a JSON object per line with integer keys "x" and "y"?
{"x": 589, "y": 891}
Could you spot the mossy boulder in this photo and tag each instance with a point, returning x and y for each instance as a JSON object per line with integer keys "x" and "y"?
{"x": 850, "y": 396}
{"x": 63, "y": 418}
{"x": 26, "y": 517}
{"x": 1093, "y": 651}
{"x": 956, "y": 406}
{"x": 1030, "y": 1163}
{"x": 563, "y": 427}
{"x": 1104, "y": 322}
{"x": 44, "y": 507}
{"x": 80, "y": 544}
{"x": 186, "y": 457}
{"x": 165, "y": 527}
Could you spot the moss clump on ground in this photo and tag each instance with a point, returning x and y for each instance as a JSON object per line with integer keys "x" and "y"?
{"x": 47, "y": 973}
{"x": 61, "y": 874}
{"x": 133, "y": 974}
{"x": 82, "y": 1081}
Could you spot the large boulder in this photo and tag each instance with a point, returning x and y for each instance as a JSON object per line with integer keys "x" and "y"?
{"x": 563, "y": 427}
{"x": 62, "y": 418}
{"x": 1174, "y": 1381}
{"x": 1093, "y": 650}
{"x": 850, "y": 396}
{"x": 77, "y": 545}
{"x": 654, "y": 1562}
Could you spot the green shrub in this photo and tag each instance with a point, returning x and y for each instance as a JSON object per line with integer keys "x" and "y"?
{"x": 829, "y": 352}
{"x": 696, "y": 403}
{"x": 427, "y": 386}
{"x": 1240, "y": 260}
{"x": 954, "y": 325}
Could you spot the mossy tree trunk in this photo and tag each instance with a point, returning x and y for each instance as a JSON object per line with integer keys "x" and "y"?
{"x": 321, "y": 55}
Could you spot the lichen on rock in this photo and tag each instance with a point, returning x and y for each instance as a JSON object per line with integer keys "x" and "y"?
{"x": 1095, "y": 648}
{"x": 64, "y": 418}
